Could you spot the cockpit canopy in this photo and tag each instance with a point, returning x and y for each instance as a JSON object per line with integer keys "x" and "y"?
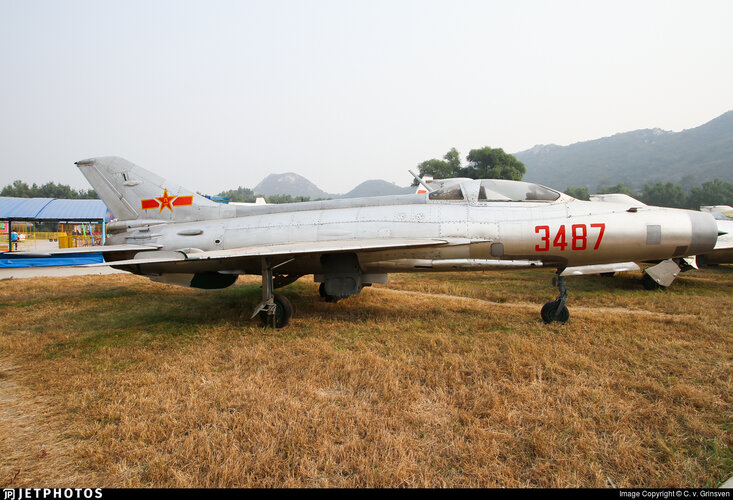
{"x": 495, "y": 190}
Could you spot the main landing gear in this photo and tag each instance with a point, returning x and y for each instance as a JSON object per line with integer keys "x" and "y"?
{"x": 324, "y": 295}
{"x": 555, "y": 310}
{"x": 275, "y": 310}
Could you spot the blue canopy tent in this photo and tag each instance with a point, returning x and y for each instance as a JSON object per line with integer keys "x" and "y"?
{"x": 50, "y": 210}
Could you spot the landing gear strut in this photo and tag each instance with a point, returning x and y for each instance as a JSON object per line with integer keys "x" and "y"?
{"x": 275, "y": 310}
{"x": 555, "y": 310}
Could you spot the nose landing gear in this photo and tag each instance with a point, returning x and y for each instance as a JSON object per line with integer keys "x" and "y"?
{"x": 279, "y": 314}
{"x": 275, "y": 311}
{"x": 555, "y": 310}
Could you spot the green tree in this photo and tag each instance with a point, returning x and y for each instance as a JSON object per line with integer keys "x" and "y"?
{"x": 618, "y": 188}
{"x": 18, "y": 189}
{"x": 449, "y": 166}
{"x": 688, "y": 182}
{"x": 580, "y": 193}
{"x": 489, "y": 163}
{"x": 453, "y": 159}
{"x": 715, "y": 192}
{"x": 239, "y": 195}
{"x": 286, "y": 198}
{"x": 664, "y": 195}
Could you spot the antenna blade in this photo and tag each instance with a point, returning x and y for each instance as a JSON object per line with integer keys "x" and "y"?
{"x": 430, "y": 190}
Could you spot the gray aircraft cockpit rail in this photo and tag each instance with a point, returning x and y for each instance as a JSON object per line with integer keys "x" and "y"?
{"x": 503, "y": 190}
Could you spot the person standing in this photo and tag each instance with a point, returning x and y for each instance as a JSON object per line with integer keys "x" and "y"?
{"x": 13, "y": 240}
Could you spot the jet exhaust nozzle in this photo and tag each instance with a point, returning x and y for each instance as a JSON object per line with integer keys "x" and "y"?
{"x": 704, "y": 232}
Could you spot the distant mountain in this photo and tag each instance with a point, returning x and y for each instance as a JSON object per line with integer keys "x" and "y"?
{"x": 643, "y": 156}
{"x": 377, "y": 187}
{"x": 297, "y": 185}
{"x": 289, "y": 183}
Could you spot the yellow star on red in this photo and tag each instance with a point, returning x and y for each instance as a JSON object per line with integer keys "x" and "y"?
{"x": 165, "y": 201}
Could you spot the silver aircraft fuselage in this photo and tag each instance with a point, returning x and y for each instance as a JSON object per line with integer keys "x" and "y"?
{"x": 482, "y": 234}
{"x": 174, "y": 235}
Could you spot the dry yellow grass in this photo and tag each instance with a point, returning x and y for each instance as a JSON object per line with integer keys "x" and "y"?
{"x": 432, "y": 380}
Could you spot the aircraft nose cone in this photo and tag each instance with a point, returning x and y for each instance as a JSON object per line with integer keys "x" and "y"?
{"x": 704, "y": 232}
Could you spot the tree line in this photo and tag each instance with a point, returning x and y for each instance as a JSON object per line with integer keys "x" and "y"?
{"x": 20, "y": 189}
{"x": 246, "y": 195}
{"x": 668, "y": 194}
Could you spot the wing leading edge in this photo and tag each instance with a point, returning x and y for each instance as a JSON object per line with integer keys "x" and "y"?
{"x": 283, "y": 250}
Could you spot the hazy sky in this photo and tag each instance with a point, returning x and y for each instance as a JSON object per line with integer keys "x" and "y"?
{"x": 218, "y": 94}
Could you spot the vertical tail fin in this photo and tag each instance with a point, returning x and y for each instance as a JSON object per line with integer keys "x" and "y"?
{"x": 131, "y": 192}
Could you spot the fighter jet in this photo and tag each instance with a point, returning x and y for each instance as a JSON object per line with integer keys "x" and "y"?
{"x": 173, "y": 235}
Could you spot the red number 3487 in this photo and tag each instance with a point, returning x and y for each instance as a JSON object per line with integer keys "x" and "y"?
{"x": 578, "y": 237}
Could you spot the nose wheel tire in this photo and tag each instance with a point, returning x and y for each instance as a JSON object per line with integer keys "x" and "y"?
{"x": 552, "y": 312}
{"x": 282, "y": 314}
{"x": 555, "y": 310}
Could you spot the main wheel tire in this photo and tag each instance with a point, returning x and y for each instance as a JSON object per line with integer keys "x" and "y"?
{"x": 550, "y": 313}
{"x": 649, "y": 283}
{"x": 322, "y": 293}
{"x": 283, "y": 313}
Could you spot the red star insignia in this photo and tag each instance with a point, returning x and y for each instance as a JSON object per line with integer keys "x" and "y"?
{"x": 165, "y": 201}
